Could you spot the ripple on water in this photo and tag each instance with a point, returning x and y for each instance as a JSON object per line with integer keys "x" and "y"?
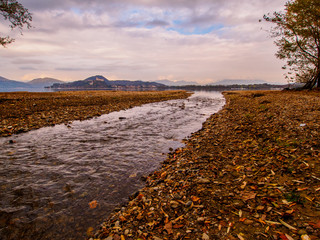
{"x": 50, "y": 175}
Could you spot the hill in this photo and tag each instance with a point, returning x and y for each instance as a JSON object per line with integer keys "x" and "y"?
{"x": 8, "y": 84}
{"x": 100, "y": 82}
{"x": 43, "y": 82}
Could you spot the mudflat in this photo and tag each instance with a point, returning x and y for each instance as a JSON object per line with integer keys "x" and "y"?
{"x": 251, "y": 172}
{"x": 24, "y": 111}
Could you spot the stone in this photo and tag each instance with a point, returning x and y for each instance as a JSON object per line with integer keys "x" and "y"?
{"x": 248, "y": 222}
{"x": 203, "y": 180}
{"x": 189, "y": 204}
{"x": 205, "y": 236}
{"x": 201, "y": 219}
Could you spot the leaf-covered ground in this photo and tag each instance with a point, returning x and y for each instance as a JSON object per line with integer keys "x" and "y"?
{"x": 252, "y": 172}
{"x": 24, "y": 111}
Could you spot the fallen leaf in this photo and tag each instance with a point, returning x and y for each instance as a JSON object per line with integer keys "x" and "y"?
{"x": 290, "y": 211}
{"x": 168, "y": 228}
{"x": 163, "y": 175}
{"x": 283, "y": 237}
{"x": 178, "y": 226}
{"x": 244, "y": 184}
{"x": 315, "y": 225}
{"x": 195, "y": 199}
{"x": 248, "y": 195}
{"x": 289, "y": 237}
{"x": 93, "y": 204}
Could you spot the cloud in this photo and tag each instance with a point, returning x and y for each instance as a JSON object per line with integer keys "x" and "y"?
{"x": 201, "y": 40}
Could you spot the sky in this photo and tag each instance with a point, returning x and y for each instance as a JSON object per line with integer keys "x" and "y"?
{"x": 192, "y": 40}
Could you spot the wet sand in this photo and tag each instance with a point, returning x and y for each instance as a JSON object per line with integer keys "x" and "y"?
{"x": 251, "y": 172}
{"x": 24, "y": 111}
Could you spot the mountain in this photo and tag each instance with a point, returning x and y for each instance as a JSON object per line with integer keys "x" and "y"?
{"x": 43, "y": 82}
{"x": 8, "y": 84}
{"x": 100, "y": 82}
{"x": 175, "y": 83}
{"x": 238, "y": 82}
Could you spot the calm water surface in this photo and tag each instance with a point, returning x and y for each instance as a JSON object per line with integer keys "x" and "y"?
{"x": 49, "y": 176}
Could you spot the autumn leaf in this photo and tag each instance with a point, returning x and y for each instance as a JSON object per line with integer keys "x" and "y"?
{"x": 315, "y": 225}
{"x": 93, "y": 204}
{"x": 283, "y": 237}
{"x": 194, "y": 198}
{"x": 168, "y": 228}
{"x": 248, "y": 195}
{"x": 178, "y": 226}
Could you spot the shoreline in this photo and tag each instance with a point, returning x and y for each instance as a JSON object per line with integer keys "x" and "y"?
{"x": 251, "y": 172}
{"x": 25, "y": 111}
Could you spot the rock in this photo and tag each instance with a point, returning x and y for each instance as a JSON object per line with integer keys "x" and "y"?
{"x": 248, "y": 222}
{"x": 205, "y": 236}
{"x": 176, "y": 196}
{"x": 201, "y": 219}
{"x": 117, "y": 224}
{"x": 305, "y": 237}
{"x": 203, "y": 180}
{"x": 260, "y": 208}
{"x": 302, "y": 232}
{"x": 116, "y": 237}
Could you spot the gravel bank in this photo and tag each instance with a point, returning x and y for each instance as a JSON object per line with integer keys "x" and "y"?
{"x": 252, "y": 172}
{"x": 24, "y": 111}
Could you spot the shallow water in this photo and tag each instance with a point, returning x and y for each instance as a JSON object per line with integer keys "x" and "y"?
{"x": 49, "y": 176}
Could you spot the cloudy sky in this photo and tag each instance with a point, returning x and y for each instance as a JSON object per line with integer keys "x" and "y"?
{"x": 191, "y": 40}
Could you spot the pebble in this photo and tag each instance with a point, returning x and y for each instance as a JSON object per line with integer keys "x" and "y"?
{"x": 203, "y": 180}
{"x": 248, "y": 222}
{"x": 117, "y": 224}
{"x": 201, "y": 219}
{"x": 302, "y": 232}
{"x": 205, "y": 236}
{"x": 189, "y": 204}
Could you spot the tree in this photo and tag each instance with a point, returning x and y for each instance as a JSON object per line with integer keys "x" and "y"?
{"x": 17, "y": 15}
{"x": 298, "y": 37}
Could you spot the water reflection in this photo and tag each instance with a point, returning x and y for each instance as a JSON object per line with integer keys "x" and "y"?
{"x": 49, "y": 176}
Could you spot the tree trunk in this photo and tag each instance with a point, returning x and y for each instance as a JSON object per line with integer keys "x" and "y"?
{"x": 313, "y": 82}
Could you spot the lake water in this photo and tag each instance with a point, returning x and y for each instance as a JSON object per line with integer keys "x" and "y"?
{"x": 49, "y": 176}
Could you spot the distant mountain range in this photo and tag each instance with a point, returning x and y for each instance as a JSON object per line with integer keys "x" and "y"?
{"x": 94, "y": 82}
{"x": 100, "y": 82}
{"x": 227, "y": 82}
{"x": 175, "y": 83}
{"x": 34, "y": 84}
